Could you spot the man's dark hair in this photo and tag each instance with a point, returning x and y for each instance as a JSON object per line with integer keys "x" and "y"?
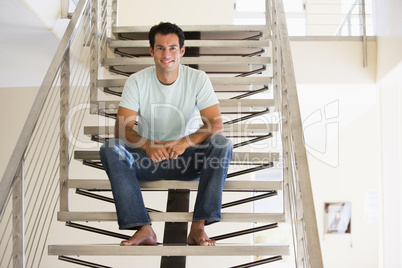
{"x": 165, "y": 28}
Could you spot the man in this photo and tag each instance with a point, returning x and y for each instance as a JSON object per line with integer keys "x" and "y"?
{"x": 167, "y": 100}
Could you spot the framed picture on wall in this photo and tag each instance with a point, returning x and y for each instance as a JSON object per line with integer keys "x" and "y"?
{"x": 337, "y": 218}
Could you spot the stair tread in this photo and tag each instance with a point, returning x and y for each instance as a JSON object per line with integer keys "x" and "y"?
{"x": 253, "y": 157}
{"x": 195, "y": 28}
{"x": 223, "y": 60}
{"x": 232, "y": 128}
{"x": 215, "y": 81}
{"x": 194, "y": 43}
{"x": 170, "y": 216}
{"x": 221, "y": 249}
{"x": 223, "y": 103}
{"x": 230, "y": 185}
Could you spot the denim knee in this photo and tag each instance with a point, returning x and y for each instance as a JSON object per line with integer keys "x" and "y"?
{"x": 221, "y": 142}
{"x": 107, "y": 147}
{"x": 115, "y": 149}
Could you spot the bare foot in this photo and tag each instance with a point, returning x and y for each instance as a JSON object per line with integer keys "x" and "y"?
{"x": 198, "y": 236}
{"x": 144, "y": 236}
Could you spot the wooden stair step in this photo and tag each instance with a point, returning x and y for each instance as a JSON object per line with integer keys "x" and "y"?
{"x": 230, "y": 185}
{"x": 194, "y": 43}
{"x": 170, "y": 216}
{"x": 217, "y": 88}
{"x": 238, "y": 157}
{"x": 195, "y": 28}
{"x": 223, "y": 103}
{"x": 169, "y": 250}
{"x": 264, "y": 80}
{"x": 208, "y": 60}
{"x": 235, "y": 129}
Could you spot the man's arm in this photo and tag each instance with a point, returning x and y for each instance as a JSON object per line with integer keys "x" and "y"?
{"x": 123, "y": 130}
{"x": 212, "y": 120}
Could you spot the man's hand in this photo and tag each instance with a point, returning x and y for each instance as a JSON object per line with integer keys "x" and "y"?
{"x": 174, "y": 148}
{"x": 156, "y": 151}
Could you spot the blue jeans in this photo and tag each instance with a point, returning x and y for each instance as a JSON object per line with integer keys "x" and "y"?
{"x": 207, "y": 162}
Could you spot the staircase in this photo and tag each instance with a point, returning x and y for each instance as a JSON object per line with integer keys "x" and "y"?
{"x": 237, "y": 60}
{"x": 248, "y": 73}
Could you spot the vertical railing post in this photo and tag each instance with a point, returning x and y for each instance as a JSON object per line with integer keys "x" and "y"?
{"x": 103, "y": 28}
{"x": 363, "y": 31}
{"x": 94, "y": 50}
{"x": 18, "y": 219}
{"x": 115, "y": 6}
{"x": 268, "y": 17}
{"x": 64, "y": 130}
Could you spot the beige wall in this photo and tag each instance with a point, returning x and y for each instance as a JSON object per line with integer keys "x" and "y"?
{"x": 189, "y": 12}
{"x": 13, "y": 114}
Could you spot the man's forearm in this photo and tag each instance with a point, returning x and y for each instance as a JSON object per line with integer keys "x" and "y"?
{"x": 131, "y": 137}
{"x": 204, "y": 133}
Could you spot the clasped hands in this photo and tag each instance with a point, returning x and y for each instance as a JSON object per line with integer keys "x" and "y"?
{"x": 158, "y": 151}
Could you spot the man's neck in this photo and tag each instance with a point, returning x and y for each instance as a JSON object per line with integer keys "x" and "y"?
{"x": 167, "y": 78}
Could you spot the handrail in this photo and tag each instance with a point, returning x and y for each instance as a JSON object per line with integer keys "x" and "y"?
{"x": 296, "y": 172}
{"x": 364, "y": 32}
{"x": 346, "y": 18}
{"x": 7, "y": 181}
{"x": 362, "y": 16}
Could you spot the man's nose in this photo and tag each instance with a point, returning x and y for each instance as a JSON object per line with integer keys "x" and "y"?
{"x": 166, "y": 53}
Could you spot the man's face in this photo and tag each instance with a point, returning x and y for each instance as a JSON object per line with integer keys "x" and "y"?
{"x": 167, "y": 52}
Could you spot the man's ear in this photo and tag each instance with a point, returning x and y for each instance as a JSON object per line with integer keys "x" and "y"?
{"x": 151, "y": 51}
{"x": 182, "y": 50}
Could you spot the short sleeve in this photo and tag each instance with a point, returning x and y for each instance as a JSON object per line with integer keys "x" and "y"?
{"x": 130, "y": 97}
{"x": 205, "y": 95}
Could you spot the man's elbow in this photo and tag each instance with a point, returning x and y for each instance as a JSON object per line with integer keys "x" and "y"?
{"x": 119, "y": 130}
{"x": 217, "y": 127}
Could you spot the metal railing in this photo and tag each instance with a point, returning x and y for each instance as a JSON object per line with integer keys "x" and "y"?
{"x": 297, "y": 185}
{"x": 314, "y": 18}
{"x": 34, "y": 182}
{"x": 348, "y": 25}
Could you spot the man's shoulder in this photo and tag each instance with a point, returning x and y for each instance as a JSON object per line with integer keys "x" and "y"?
{"x": 191, "y": 70}
{"x": 144, "y": 73}
{"x": 192, "y": 73}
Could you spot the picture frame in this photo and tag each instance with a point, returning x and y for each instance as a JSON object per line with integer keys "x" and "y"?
{"x": 337, "y": 218}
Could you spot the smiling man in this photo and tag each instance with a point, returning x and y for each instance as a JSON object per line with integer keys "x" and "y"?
{"x": 167, "y": 100}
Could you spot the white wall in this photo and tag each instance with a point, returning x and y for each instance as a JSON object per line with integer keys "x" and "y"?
{"x": 389, "y": 32}
{"x": 27, "y": 47}
{"x": 339, "y": 106}
{"x": 50, "y": 14}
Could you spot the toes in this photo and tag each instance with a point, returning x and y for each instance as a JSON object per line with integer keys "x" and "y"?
{"x": 208, "y": 242}
{"x": 125, "y": 243}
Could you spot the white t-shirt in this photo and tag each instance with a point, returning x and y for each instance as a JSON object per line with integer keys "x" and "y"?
{"x": 168, "y": 112}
